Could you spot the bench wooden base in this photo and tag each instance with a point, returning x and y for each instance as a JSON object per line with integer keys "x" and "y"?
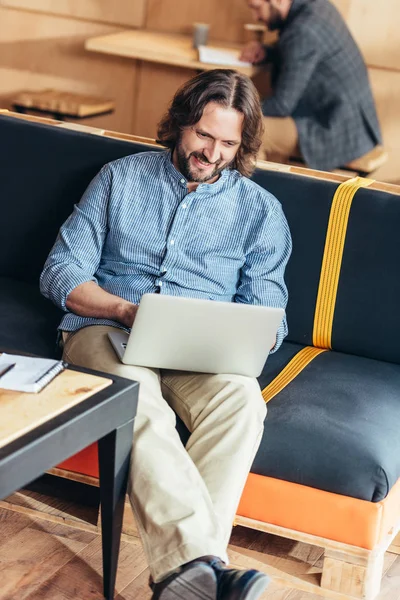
{"x": 348, "y": 571}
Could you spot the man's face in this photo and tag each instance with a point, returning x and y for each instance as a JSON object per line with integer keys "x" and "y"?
{"x": 209, "y": 146}
{"x": 267, "y": 12}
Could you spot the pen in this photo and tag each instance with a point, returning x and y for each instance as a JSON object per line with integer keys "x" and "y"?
{"x": 6, "y": 369}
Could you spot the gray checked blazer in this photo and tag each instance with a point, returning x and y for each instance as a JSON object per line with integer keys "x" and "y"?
{"x": 320, "y": 80}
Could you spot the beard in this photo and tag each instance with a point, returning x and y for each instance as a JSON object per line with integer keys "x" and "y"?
{"x": 275, "y": 21}
{"x": 192, "y": 174}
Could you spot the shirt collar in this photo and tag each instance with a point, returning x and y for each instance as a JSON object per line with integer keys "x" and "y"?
{"x": 209, "y": 188}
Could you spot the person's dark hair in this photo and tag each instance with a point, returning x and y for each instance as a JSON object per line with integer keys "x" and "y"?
{"x": 231, "y": 90}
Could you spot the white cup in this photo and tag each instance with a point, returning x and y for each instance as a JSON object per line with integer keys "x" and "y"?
{"x": 200, "y": 34}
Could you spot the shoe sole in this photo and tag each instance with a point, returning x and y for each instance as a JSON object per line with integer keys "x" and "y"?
{"x": 197, "y": 582}
{"x": 255, "y": 587}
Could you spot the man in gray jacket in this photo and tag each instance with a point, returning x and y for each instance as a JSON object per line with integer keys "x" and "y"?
{"x": 321, "y": 102}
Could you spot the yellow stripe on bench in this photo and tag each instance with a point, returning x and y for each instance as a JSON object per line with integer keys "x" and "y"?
{"x": 292, "y": 369}
{"x": 332, "y": 260}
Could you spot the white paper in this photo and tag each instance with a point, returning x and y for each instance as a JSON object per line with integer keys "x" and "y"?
{"x": 221, "y": 56}
{"x": 26, "y": 373}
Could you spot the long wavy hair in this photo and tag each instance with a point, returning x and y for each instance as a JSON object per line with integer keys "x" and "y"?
{"x": 229, "y": 89}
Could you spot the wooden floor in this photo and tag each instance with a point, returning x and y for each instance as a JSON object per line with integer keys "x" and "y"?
{"x": 57, "y": 556}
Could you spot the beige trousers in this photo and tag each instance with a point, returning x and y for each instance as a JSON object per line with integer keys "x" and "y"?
{"x": 280, "y": 139}
{"x": 184, "y": 500}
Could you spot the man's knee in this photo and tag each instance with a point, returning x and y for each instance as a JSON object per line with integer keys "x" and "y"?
{"x": 280, "y": 137}
{"x": 246, "y": 399}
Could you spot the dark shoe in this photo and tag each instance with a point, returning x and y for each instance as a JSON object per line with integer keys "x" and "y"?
{"x": 193, "y": 581}
{"x": 235, "y": 584}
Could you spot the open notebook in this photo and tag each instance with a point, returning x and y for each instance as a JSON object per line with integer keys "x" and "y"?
{"x": 221, "y": 56}
{"x": 27, "y": 373}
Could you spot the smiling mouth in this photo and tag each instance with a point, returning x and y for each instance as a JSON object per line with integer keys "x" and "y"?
{"x": 205, "y": 165}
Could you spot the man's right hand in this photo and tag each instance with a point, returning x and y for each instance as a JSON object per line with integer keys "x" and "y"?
{"x": 254, "y": 52}
{"x": 89, "y": 300}
{"x": 127, "y": 313}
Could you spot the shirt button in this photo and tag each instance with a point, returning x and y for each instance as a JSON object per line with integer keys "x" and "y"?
{"x": 183, "y": 181}
{"x": 159, "y": 283}
{"x": 172, "y": 242}
{"x": 184, "y": 205}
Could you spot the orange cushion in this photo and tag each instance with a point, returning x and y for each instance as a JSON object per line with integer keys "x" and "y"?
{"x": 293, "y": 506}
{"x": 324, "y": 514}
{"x": 85, "y": 462}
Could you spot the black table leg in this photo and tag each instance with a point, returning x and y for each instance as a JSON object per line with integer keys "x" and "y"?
{"x": 114, "y": 458}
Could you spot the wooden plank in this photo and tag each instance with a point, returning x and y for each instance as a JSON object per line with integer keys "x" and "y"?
{"x": 21, "y": 412}
{"x": 131, "y": 138}
{"x": 81, "y": 127}
{"x": 302, "y": 537}
{"x": 287, "y": 556}
{"x": 73, "y": 476}
{"x": 162, "y": 48}
{"x": 31, "y": 118}
{"x": 352, "y": 575}
{"x": 123, "y": 12}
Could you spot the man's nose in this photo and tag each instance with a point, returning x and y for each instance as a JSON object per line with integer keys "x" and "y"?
{"x": 212, "y": 153}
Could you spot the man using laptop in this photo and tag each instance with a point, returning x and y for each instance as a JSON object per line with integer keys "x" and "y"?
{"x": 182, "y": 222}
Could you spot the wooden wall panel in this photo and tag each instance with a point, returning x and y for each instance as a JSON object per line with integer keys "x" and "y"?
{"x": 129, "y": 13}
{"x": 375, "y": 26}
{"x": 39, "y": 51}
{"x": 226, "y": 17}
{"x": 386, "y": 89}
{"x": 156, "y": 86}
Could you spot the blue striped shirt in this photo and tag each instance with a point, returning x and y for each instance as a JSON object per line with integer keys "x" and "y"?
{"x": 137, "y": 230}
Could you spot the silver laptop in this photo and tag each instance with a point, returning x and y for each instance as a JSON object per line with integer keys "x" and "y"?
{"x": 187, "y": 334}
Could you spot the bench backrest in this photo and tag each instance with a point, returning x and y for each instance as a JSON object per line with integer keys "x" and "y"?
{"x": 364, "y": 310}
{"x": 45, "y": 170}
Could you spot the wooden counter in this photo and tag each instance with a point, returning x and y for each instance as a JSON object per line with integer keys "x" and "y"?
{"x": 164, "y": 48}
